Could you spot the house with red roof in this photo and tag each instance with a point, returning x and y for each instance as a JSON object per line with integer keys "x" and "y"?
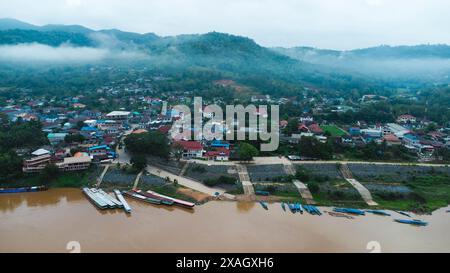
{"x": 406, "y": 119}
{"x": 315, "y": 129}
{"x": 165, "y": 129}
{"x": 220, "y": 154}
{"x": 303, "y": 128}
{"x": 191, "y": 149}
{"x": 391, "y": 140}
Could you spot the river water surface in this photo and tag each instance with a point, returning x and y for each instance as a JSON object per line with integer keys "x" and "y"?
{"x": 48, "y": 221}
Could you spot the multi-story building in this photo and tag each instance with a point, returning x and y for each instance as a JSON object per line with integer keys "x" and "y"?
{"x": 36, "y": 164}
{"x": 75, "y": 163}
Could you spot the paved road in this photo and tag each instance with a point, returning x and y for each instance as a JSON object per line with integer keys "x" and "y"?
{"x": 184, "y": 181}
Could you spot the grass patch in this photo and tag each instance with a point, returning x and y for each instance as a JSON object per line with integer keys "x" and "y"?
{"x": 63, "y": 180}
{"x": 333, "y": 130}
{"x": 428, "y": 193}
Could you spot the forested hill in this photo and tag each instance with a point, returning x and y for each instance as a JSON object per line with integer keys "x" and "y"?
{"x": 230, "y": 56}
{"x": 284, "y": 71}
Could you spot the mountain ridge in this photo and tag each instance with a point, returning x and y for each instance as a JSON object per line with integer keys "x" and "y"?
{"x": 11, "y": 24}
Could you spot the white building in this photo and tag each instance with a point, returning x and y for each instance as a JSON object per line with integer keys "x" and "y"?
{"x": 119, "y": 115}
{"x": 395, "y": 129}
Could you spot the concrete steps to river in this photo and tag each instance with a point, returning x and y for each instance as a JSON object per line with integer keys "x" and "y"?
{"x": 301, "y": 187}
{"x": 363, "y": 191}
{"x": 245, "y": 179}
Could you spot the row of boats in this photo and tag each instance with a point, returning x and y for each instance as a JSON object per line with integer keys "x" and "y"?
{"x": 23, "y": 189}
{"x": 296, "y": 208}
{"x": 103, "y": 200}
{"x": 344, "y": 212}
{"x": 157, "y": 199}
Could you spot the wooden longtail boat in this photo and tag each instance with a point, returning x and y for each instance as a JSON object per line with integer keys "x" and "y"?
{"x": 23, "y": 189}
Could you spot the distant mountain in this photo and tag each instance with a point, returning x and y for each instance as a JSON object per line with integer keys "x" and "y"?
{"x": 427, "y": 62}
{"x": 384, "y": 52}
{"x": 241, "y": 57}
{"x": 66, "y": 28}
{"x": 8, "y": 23}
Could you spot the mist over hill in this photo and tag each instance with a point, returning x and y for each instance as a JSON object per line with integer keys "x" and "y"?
{"x": 230, "y": 56}
{"x": 421, "y": 62}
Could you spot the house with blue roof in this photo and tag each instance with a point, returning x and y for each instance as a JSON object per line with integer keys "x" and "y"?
{"x": 220, "y": 144}
{"x": 89, "y": 129}
{"x": 101, "y": 150}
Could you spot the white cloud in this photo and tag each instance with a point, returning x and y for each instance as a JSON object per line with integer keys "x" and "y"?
{"x": 62, "y": 54}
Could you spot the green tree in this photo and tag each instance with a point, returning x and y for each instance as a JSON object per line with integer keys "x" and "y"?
{"x": 151, "y": 143}
{"x": 10, "y": 166}
{"x": 246, "y": 152}
{"x": 311, "y": 147}
{"x": 50, "y": 172}
{"x": 139, "y": 162}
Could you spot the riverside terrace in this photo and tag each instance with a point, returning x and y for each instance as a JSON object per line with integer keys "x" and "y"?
{"x": 329, "y": 185}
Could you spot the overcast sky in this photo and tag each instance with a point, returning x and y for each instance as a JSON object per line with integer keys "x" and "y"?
{"x": 337, "y": 24}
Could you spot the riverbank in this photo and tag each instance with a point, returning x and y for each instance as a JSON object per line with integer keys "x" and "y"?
{"x": 59, "y": 216}
{"x": 421, "y": 192}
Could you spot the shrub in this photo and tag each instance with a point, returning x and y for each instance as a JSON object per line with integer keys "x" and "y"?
{"x": 220, "y": 181}
{"x": 314, "y": 188}
{"x": 198, "y": 169}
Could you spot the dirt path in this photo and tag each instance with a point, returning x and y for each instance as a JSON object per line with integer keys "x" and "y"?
{"x": 184, "y": 181}
{"x": 100, "y": 178}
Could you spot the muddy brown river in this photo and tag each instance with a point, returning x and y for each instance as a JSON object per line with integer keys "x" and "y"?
{"x": 48, "y": 221}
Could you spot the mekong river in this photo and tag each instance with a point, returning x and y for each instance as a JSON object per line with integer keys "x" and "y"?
{"x": 47, "y": 221}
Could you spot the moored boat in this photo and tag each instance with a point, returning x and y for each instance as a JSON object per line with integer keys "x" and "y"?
{"x": 412, "y": 222}
{"x": 316, "y": 210}
{"x": 164, "y": 201}
{"x": 264, "y": 205}
{"x": 292, "y": 208}
{"x": 340, "y": 215}
{"x": 350, "y": 211}
{"x": 122, "y": 200}
{"x": 403, "y": 213}
{"x": 23, "y": 189}
{"x": 94, "y": 199}
{"x": 378, "y": 212}
{"x": 176, "y": 201}
{"x": 116, "y": 202}
{"x": 142, "y": 198}
{"x": 262, "y": 193}
{"x": 100, "y": 196}
{"x": 312, "y": 210}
